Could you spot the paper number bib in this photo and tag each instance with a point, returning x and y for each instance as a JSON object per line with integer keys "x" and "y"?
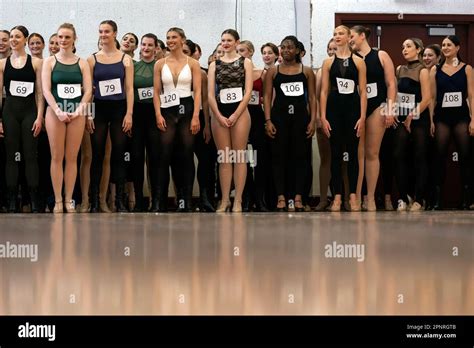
{"x": 21, "y": 89}
{"x": 230, "y": 95}
{"x": 292, "y": 89}
{"x": 345, "y": 86}
{"x": 110, "y": 87}
{"x": 169, "y": 99}
{"x": 254, "y": 99}
{"x": 371, "y": 90}
{"x": 406, "y": 100}
{"x": 69, "y": 91}
{"x": 145, "y": 93}
{"x": 452, "y": 100}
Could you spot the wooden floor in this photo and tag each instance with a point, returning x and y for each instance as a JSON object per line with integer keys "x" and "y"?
{"x": 239, "y": 264}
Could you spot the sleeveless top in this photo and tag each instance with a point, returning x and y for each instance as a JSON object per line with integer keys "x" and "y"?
{"x": 342, "y": 76}
{"x": 68, "y": 79}
{"x": 257, "y": 92}
{"x": 290, "y": 90}
{"x": 143, "y": 81}
{"x": 18, "y": 79}
{"x": 449, "y": 89}
{"x": 109, "y": 80}
{"x": 409, "y": 90}
{"x": 230, "y": 75}
{"x": 183, "y": 84}
{"x": 376, "y": 87}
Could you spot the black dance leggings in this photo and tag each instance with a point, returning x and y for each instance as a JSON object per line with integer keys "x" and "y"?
{"x": 416, "y": 142}
{"x": 109, "y": 113}
{"x": 344, "y": 141}
{"x": 177, "y": 141}
{"x": 19, "y": 114}
{"x": 460, "y": 132}
{"x": 145, "y": 134}
{"x": 207, "y": 156}
{"x": 289, "y": 152}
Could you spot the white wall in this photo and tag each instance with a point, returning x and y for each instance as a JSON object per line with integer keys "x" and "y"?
{"x": 323, "y": 15}
{"x": 203, "y": 20}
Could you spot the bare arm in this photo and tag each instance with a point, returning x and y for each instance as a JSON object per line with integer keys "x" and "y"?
{"x": 46, "y": 77}
{"x": 128, "y": 63}
{"x": 425, "y": 90}
{"x": 390, "y": 82}
{"x": 196, "y": 73}
{"x": 318, "y": 94}
{"x": 248, "y": 88}
{"x": 211, "y": 90}
{"x": 470, "y": 97}
{"x": 86, "y": 86}
{"x": 38, "y": 65}
{"x": 362, "y": 73}
{"x": 433, "y": 98}
{"x": 312, "y": 101}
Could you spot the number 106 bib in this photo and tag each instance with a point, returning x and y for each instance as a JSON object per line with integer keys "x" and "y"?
{"x": 292, "y": 89}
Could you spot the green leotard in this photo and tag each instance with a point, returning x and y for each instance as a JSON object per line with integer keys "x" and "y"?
{"x": 68, "y": 77}
{"x": 143, "y": 78}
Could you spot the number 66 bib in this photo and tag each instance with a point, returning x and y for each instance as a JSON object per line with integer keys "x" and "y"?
{"x": 69, "y": 91}
{"x": 21, "y": 88}
{"x": 110, "y": 87}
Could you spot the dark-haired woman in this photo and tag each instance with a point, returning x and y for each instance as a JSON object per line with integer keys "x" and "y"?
{"x": 129, "y": 44}
{"x": 452, "y": 85}
{"x": 145, "y": 134}
{"x": 204, "y": 146}
{"x": 413, "y": 100}
{"x": 381, "y": 94}
{"x": 343, "y": 110}
{"x": 177, "y": 117}
{"x": 290, "y": 124}
{"x": 113, "y": 98}
{"x": 254, "y": 191}
{"x": 22, "y": 115}
{"x": 230, "y": 90}
{"x": 431, "y": 56}
{"x": 36, "y": 45}
{"x": 4, "y": 53}
{"x": 270, "y": 54}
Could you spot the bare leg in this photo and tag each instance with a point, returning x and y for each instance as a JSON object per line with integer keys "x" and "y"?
{"x": 375, "y": 129}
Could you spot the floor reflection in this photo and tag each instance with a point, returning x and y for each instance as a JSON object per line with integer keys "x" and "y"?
{"x": 231, "y": 264}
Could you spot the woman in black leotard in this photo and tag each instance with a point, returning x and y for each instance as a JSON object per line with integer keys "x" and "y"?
{"x": 22, "y": 115}
{"x": 452, "y": 83}
{"x": 381, "y": 94}
{"x": 290, "y": 123}
{"x": 414, "y": 123}
{"x": 343, "y": 112}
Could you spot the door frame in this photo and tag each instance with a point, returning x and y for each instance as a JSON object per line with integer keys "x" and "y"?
{"x": 392, "y": 18}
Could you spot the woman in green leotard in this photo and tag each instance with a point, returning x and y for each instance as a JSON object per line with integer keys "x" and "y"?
{"x": 67, "y": 88}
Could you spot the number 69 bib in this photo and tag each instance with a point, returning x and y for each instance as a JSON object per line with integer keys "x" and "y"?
{"x": 69, "y": 91}
{"x": 110, "y": 87}
{"x": 452, "y": 100}
{"x": 231, "y": 95}
{"x": 21, "y": 88}
{"x": 292, "y": 89}
{"x": 345, "y": 86}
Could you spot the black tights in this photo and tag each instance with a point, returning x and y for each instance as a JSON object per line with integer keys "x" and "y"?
{"x": 145, "y": 134}
{"x": 207, "y": 156}
{"x": 443, "y": 132}
{"x": 18, "y": 119}
{"x": 403, "y": 166}
{"x": 177, "y": 141}
{"x": 289, "y": 153}
{"x": 109, "y": 114}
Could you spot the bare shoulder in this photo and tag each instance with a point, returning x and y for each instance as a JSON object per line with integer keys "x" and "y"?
{"x": 127, "y": 61}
